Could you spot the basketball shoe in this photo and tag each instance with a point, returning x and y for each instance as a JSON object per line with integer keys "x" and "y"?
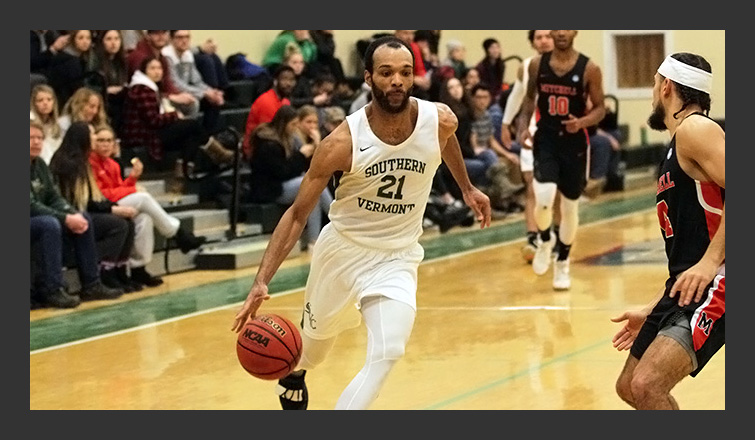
{"x": 542, "y": 259}
{"x": 292, "y": 392}
{"x": 561, "y": 278}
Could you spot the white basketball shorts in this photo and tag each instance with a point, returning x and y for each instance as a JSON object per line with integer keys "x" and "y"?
{"x": 342, "y": 273}
{"x": 526, "y": 160}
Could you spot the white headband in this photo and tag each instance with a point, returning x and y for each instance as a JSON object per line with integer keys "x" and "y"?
{"x": 686, "y": 75}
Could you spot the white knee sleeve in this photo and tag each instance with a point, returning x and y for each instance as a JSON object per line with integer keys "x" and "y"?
{"x": 545, "y": 194}
{"x": 569, "y": 220}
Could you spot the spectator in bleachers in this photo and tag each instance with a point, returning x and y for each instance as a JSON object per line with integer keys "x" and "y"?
{"x": 44, "y": 46}
{"x": 278, "y": 168}
{"x": 51, "y": 215}
{"x": 483, "y": 132}
{"x": 327, "y": 62}
{"x": 75, "y": 66}
{"x": 492, "y": 68}
{"x": 85, "y": 105}
{"x": 456, "y": 58}
{"x": 277, "y": 50}
{"x": 452, "y": 94}
{"x": 131, "y": 38}
{"x": 423, "y": 39}
{"x": 44, "y": 109}
{"x": 267, "y": 104}
{"x": 151, "y": 46}
{"x": 151, "y": 122}
{"x": 150, "y": 215}
{"x": 111, "y": 64}
{"x": 331, "y": 118}
{"x": 471, "y": 78}
{"x": 302, "y": 91}
{"x": 500, "y": 163}
{"x": 209, "y": 64}
{"x": 605, "y": 155}
{"x": 187, "y": 78}
{"x": 111, "y": 224}
{"x": 309, "y": 126}
{"x": 422, "y": 80}
{"x": 362, "y": 98}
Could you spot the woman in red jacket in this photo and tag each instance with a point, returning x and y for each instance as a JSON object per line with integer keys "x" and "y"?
{"x": 151, "y": 215}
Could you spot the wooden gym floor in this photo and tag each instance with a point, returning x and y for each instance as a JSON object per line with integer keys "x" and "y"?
{"x": 489, "y": 334}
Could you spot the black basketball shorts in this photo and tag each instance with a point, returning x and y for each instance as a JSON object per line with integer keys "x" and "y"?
{"x": 698, "y": 327}
{"x": 562, "y": 159}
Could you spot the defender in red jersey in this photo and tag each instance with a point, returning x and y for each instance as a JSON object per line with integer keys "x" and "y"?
{"x": 678, "y": 333}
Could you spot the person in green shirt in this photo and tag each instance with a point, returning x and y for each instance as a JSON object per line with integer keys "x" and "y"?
{"x": 275, "y": 53}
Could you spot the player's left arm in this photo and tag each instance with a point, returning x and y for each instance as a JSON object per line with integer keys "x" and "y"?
{"x": 594, "y": 87}
{"x": 451, "y": 154}
{"x": 702, "y": 154}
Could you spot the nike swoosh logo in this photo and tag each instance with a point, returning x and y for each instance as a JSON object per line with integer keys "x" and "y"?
{"x": 365, "y": 148}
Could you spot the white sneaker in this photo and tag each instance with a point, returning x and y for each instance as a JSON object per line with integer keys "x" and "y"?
{"x": 542, "y": 259}
{"x": 561, "y": 278}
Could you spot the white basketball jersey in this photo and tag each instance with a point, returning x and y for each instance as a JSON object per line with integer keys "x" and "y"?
{"x": 380, "y": 203}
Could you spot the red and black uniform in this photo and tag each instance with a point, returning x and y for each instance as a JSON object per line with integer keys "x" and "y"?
{"x": 689, "y": 212}
{"x": 561, "y": 157}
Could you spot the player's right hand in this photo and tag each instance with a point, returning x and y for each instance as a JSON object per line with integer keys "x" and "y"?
{"x": 525, "y": 138}
{"x": 625, "y": 337}
{"x": 254, "y": 300}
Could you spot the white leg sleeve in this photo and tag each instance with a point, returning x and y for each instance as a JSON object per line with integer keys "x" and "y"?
{"x": 569, "y": 220}
{"x": 545, "y": 194}
{"x": 389, "y": 325}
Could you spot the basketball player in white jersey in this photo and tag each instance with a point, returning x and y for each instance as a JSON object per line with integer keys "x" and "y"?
{"x": 541, "y": 41}
{"x": 364, "y": 264}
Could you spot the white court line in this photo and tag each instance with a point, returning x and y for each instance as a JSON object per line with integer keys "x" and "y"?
{"x": 289, "y": 292}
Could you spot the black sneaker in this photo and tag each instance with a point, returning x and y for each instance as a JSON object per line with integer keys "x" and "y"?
{"x": 60, "y": 299}
{"x": 292, "y": 392}
{"x": 99, "y": 291}
{"x": 141, "y": 276}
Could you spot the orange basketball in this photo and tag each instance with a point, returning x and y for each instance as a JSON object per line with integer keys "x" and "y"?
{"x": 269, "y": 347}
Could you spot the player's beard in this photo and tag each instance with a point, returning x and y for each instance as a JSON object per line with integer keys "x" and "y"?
{"x": 657, "y": 119}
{"x": 381, "y": 99}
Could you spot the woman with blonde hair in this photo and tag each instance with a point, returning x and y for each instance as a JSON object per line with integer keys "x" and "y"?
{"x": 113, "y": 228}
{"x": 43, "y": 107}
{"x": 86, "y": 105}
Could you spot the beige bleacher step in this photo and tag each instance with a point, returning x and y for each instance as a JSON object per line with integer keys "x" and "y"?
{"x": 205, "y": 218}
{"x": 220, "y": 232}
{"x": 154, "y": 187}
{"x": 177, "y": 262}
{"x": 236, "y": 254}
{"x": 172, "y": 200}
{"x": 640, "y": 177}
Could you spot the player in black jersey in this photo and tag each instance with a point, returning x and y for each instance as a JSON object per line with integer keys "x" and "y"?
{"x": 683, "y": 327}
{"x": 562, "y": 80}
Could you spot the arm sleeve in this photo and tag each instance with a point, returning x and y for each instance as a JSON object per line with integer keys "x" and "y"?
{"x": 514, "y": 102}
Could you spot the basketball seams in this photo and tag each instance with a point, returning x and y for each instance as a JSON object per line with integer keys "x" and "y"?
{"x": 295, "y": 333}
{"x": 271, "y": 356}
{"x": 259, "y": 324}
